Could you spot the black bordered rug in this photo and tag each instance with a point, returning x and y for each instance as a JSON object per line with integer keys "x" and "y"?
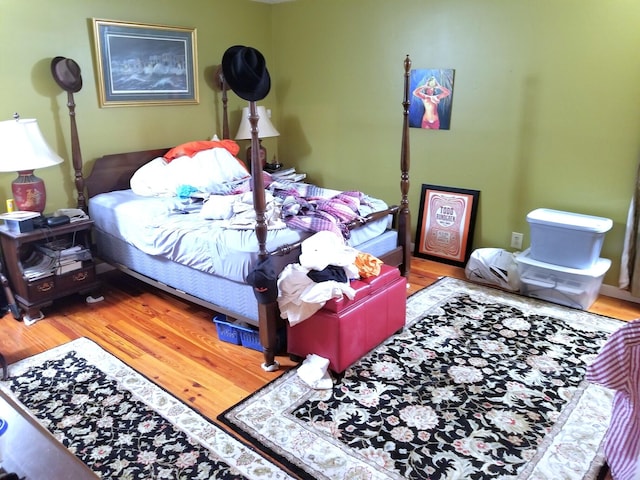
{"x": 481, "y": 384}
{"x": 121, "y": 424}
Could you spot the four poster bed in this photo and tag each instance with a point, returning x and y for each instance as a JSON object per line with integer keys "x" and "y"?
{"x": 211, "y": 268}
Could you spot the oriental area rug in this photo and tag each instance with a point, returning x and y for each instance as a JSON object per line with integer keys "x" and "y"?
{"x": 121, "y": 424}
{"x": 480, "y": 384}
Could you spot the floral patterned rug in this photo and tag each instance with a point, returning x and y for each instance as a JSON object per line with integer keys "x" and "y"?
{"x": 480, "y": 384}
{"x": 122, "y": 425}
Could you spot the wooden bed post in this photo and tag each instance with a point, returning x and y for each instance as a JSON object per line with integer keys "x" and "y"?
{"x": 76, "y": 156}
{"x": 404, "y": 215}
{"x": 221, "y": 84}
{"x": 267, "y": 313}
{"x": 259, "y": 202}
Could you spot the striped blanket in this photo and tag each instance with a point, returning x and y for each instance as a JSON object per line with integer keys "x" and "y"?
{"x": 314, "y": 213}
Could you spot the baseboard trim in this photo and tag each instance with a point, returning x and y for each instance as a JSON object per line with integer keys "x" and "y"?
{"x": 615, "y": 292}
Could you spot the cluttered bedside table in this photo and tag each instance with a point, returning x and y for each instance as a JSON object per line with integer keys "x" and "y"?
{"x": 48, "y": 263}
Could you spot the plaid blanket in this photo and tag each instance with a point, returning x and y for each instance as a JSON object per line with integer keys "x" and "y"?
{"x": 313, "y": 213}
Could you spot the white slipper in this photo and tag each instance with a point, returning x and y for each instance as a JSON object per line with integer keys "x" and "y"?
{"x": 314, "y": 371}
{"x": 325, "y": 383}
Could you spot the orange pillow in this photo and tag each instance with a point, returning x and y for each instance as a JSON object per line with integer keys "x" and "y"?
{"x": 189, "y": 149}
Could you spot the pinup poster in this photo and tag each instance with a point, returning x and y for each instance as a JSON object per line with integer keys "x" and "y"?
{"x": 431, "y": 98}
{"x": 446, "y": 224}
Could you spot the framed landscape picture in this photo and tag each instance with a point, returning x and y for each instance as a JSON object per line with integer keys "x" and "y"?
{"x": 446, "y": 223}
{"x": 145, "y": 64}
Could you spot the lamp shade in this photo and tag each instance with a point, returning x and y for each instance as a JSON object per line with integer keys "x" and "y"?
{"x": 265, "y": 127}
{"x": 24, "y": 147}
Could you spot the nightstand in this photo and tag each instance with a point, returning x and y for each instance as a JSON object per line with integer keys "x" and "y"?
{"x": 48, "y": 263}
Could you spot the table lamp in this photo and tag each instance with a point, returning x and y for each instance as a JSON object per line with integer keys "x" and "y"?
{"x": 24, "y": 149}
{"x": 265, "y": 130}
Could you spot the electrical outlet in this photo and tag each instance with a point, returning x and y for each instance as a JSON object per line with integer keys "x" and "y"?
{"x": 516, "y": 240}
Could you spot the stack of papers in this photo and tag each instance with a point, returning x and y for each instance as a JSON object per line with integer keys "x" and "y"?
{"x": 288, "y": 175}
{"x": 19, "y": 215}
{"x": 38, "y": 266}
{"x": 54, "y": 258}
{"x": 65, "y": 258}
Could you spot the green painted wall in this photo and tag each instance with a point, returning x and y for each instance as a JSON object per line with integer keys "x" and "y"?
{"x": 35, "y": 31}
{"x": 545, "y": 108}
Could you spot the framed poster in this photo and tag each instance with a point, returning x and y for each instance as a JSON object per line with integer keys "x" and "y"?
{"x": 145, "y": 64}
{"x": 445, "y": 224}
{"x": 431, "y": 98}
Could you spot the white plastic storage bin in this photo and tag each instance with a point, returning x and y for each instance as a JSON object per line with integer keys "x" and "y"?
{"x": 572, "y": 287}
{"x": 568, "y": 239}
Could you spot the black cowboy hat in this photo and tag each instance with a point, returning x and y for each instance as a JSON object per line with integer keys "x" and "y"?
{"x": 264, "y": 280}
{"x": 66, "y": 73}
{"x": 245, "y": 71}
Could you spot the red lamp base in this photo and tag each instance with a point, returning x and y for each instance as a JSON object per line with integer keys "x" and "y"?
{"x": 29, "y": 192}
{"x": 262, "y": 155}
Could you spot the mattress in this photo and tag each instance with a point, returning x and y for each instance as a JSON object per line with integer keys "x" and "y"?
{"x": 233, "y": 298}
{"x": 173, "y": 229}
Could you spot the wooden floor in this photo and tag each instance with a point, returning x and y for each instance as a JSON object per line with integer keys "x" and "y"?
{"x": 175, "y": 343}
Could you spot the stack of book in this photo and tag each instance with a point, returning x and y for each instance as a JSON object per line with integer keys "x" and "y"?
{"x": 66, "y": 258}
{"x": 288, "y": 175}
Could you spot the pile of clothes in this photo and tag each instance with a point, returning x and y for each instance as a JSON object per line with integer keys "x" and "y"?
{"x": 326, "y": 266}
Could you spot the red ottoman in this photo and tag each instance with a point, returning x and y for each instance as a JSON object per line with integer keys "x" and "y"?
{"x": 344, "y": 330}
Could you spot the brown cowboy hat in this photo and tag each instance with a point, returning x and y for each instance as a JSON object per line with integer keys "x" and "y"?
{"x": 66, "y": 73}
{"x": 245, "y": 71}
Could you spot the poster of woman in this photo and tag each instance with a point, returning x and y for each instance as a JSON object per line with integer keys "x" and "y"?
{"x": 432, "y": 97}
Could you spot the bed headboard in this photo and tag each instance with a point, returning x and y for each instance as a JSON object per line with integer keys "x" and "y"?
{"x": 113, "y": 172}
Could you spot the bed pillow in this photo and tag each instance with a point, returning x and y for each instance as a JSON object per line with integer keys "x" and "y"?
{"x": 151, "y": 180}
{"x": 210, "y": 171}
{"x": 189, "y": 149}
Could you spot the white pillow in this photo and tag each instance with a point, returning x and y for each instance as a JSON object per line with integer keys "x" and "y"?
{"x": 151, "y": 179}
{"x": 210, "y": 171}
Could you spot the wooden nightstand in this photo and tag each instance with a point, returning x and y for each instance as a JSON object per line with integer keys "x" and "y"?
{"x": 76, "y": 274}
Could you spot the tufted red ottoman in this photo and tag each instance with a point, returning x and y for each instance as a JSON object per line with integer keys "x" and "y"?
{"x": 344, "y": 330}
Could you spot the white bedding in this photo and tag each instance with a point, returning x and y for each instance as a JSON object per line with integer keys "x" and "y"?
{"x": 158, "y": 226}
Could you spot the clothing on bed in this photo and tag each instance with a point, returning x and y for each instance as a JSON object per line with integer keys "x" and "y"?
{"x": 213, "y": 230}
{"x": 317, "y": 214}
{"x": 174, "y": 229}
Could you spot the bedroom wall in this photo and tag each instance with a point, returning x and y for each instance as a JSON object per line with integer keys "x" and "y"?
{"x": 545, "y": 107}
{"x": 33, "y": 32}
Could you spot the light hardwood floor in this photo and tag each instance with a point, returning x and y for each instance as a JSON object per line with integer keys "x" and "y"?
{"x": 175, "y": 343}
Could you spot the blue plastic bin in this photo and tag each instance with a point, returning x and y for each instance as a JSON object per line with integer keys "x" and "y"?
{"x": 246, "y": 336}
{"x": 227, "y": 332}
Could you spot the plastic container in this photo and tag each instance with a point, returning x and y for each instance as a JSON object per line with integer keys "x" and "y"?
{"x": 571, "y": 287}
{"x": 246, "y": 336}
{"x": 227, "y": 332}
{"x": 568, "y": 239}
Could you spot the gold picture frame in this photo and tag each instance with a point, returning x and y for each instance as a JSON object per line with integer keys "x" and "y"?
{"x": 145, "y": 64}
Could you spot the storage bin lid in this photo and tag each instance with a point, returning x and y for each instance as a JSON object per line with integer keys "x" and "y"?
{"x": 574, "y": 221}
{"x": 599, "y": 268}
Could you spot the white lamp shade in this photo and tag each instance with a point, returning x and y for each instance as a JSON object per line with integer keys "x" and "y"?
{"x": 265, "y": 127}
{"x": 24, "y": 147}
